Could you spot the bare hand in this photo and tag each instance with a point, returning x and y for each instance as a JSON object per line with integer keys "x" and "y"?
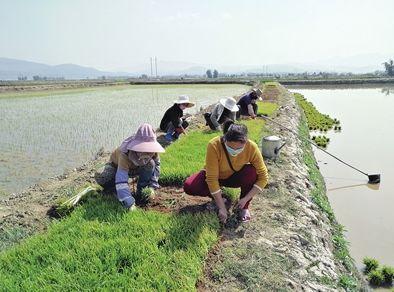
{"x": 222, "y": 215}
{"x": 241, "y": 204}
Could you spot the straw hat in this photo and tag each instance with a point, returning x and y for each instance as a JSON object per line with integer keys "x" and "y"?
{"x": 258, "y": 92}
{"x": 184, "y": 99}
{"x": 144, "y": 140}
{"x": 229, "y": 103}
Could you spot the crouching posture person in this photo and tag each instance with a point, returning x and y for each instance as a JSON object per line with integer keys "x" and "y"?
{"x": 231, "y": 161}
{"x": 223, "y": 111}
{"x": 137, "y": 155}
{"x": 173, "y": 122}
{"x": 247, "y": 104}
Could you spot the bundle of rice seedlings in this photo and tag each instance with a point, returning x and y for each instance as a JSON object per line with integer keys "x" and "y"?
{"x": 64, "y": 207}
{"x": 147, "y": 193}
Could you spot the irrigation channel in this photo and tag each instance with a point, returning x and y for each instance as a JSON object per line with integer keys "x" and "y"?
{"x": 43, "y": 134}
{"x": 366, "y": 141}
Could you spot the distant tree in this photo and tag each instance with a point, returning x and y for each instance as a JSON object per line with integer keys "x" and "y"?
{"x": 209, "y": 73}
{"x": 215, "y": 73}
{"x": 389, "y": 66}
{"x": 36, "y": 77}
{"x": 144, "y": 76}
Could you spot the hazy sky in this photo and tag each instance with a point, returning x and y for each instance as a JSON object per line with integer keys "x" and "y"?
{"x": 116, "y": 34}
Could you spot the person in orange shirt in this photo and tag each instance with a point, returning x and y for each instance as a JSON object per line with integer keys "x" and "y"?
{"x": 231, "y": 161}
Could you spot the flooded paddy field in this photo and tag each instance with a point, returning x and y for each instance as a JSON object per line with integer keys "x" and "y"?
{"x": 366, "y": 141}
{"x": 43, "y": 134}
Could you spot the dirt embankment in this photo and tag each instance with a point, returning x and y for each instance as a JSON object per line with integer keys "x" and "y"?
{"x": 288, "y": 245}
{"x": 31, "y": 86}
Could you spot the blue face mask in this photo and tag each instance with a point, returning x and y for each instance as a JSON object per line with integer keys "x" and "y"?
{"x": 234, "y": 152}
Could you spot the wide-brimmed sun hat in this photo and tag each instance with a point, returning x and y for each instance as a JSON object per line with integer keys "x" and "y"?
{"x": 258, "y": 92}
{"x": 144, "y": 140}
{"x": 229, "y": 103}
{"x": 184, "y": 99}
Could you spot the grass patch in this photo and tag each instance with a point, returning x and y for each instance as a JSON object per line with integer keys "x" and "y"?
{"x": 11, "y": 236}
{"x": 255, "y": 269}
{"x": 316, "y": 120}
{"x": 266, "y": 108}
{"x": 102, "y": 246}
{"x": 319, "y": 197}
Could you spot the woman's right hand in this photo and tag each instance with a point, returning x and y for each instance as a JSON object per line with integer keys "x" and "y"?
{"x": 222, "y": 214}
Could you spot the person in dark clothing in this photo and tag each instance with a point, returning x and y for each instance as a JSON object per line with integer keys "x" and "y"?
{"x": 247, "y": 104}
{"x": 172, "y": 122}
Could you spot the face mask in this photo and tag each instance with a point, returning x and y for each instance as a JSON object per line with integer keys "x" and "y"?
{"x": 234, "y": 152}
{"x": 140, "y": 158}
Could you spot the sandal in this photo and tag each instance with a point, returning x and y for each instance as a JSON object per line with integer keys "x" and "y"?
{"x": 244, "y": 215}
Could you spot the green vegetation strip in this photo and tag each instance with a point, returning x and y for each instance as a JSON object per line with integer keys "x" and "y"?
{"x": 317, "y": 121}
{"x": 266, "y": 108}
{"x": 101, "y": 246}
{"x": 319, "y": 197}
{"x": 378, "y": 276}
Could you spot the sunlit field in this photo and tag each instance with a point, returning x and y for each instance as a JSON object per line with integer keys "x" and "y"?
{"x": 44, "y": 135}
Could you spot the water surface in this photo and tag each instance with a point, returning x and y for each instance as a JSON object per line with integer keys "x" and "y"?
{"x": 366, "y": 141}
{"x": 44, "y": 134}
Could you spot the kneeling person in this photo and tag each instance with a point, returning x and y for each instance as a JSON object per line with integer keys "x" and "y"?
{"x": 172, "y": 122}
{"x": 137, "y": 155}
{"x": 231, "y": 161}
{"x": 247, "y": 104}
{"x": 224, "y": 111}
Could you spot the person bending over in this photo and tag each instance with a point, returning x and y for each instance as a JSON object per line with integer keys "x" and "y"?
{"x": 231, "y": 161}
{"x": 138, "y": 155}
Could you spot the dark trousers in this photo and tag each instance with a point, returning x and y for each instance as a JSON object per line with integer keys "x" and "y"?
{"x": 243, "y": 111}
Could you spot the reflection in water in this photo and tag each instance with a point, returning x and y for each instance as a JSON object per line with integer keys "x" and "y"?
{"x": 374, "y": 187}
{"x": 387, "y": 90}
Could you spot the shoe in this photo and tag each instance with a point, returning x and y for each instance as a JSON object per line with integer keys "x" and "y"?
{"x": 155, "y": 185}
{"x": 244, "y": 215}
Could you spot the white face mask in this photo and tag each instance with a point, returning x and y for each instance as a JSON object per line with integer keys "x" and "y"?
{"x": 234, "y": 152}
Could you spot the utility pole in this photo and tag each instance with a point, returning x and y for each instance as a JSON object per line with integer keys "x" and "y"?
{"x": 151, "y": 67}
{"x": 156, "y": 65}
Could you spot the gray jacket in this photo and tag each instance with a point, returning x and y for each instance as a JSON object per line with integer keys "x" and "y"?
{"x": 217, "y": 113}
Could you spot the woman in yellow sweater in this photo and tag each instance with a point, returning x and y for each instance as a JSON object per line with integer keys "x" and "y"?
{"x": 231, "y": 161}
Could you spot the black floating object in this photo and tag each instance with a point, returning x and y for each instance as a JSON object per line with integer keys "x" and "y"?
{"x": 374, "y": 178}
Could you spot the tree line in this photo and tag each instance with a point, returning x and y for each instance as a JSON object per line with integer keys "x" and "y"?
{"x": 389, "y": 66}
{"x": 215, "y": 73}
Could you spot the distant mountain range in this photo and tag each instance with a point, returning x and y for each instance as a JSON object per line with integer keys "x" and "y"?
{"x": 11, "y": 69}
